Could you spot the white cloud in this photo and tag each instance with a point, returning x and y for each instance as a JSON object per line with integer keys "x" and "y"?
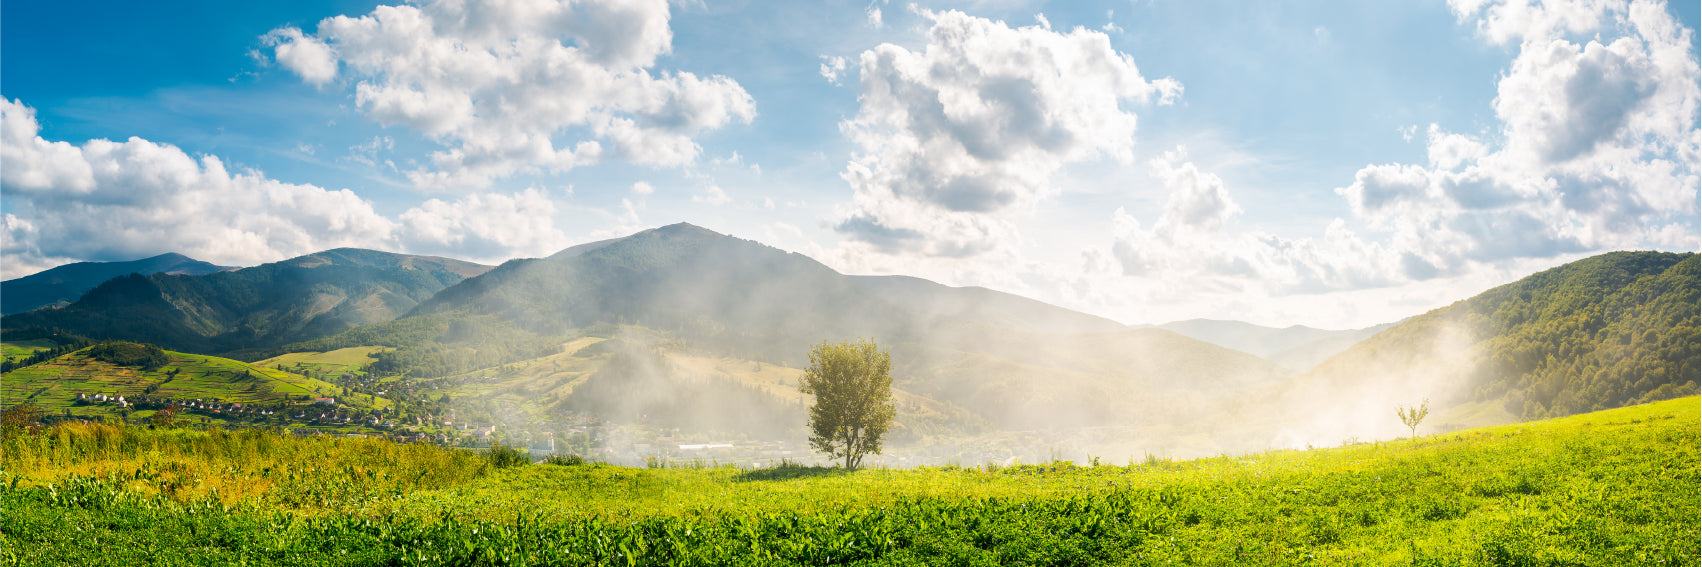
{"x": 367, "y": 152}
{"x": 874, "y": 16}
{"x": 642, "y": 189}
{"x": 713, "y": 195}
{"x": 308, "y": 57}
{"x": 1597, "y": 151}
{"x": 126, "y": 200}
{"x": 487, "y": 226}
{"x": 1198, "y": 200}
{"x": 108, "y": 200}
{"x": 507, "y": 86}
{"x": 832, "y": 67}
{"x": 954, "y": 137}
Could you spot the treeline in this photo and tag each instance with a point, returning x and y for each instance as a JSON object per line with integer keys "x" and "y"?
{"x": 125, "y": 353}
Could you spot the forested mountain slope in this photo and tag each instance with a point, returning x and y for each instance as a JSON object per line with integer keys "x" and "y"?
{"x": 267, "y": 305}
{"x": 64, "y": 284}
{"x": 1603, "y": 332}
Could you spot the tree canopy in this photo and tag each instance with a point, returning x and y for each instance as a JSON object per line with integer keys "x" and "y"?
{"x": 852, "y": 384}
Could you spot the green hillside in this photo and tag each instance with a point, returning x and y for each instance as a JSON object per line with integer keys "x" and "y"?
{"x": 53, "y": 386}
{"x": 272, "y": 304}
{"x": 339, "y": 361}
{"x": 1617, "y": 487}
{"x": 1598, "y": 333}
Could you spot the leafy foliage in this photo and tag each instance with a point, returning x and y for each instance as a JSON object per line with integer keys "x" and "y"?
{"x": 852, "y": 385}
{"x": 1604, "y": 332}
{"x": 1411, "y": 416}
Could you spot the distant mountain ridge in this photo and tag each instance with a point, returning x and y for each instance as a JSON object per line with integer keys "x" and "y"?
{"x": 268, "y": 305}
{"x": 64, "y": 284}
{"x": 1296, "y": 347}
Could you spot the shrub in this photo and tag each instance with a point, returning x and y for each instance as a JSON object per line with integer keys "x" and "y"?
{"x": 564, "y": 460}
{"x": 503, "y": 456}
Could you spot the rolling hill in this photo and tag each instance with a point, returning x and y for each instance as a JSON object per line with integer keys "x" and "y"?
{"x": 1603, "y": 332}
{"x": 62, "y": 285}
{"x": 267, "y": 305}
{"x": 1007, "y": 361}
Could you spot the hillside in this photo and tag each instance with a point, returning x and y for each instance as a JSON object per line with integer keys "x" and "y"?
{"x": 64, "y": 284}
{"x": 252, "y": 308}
{"x": 54, "y": 385}
{"x": 1603, "y": 332}
{"x": 1008, "y": 361}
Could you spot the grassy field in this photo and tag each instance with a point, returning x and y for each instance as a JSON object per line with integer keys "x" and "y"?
{"x": 18, "y": 349}
{"x": 1618, "y": 487}
{"x": 53, "y": 385}
{"x": 338, "y": 361}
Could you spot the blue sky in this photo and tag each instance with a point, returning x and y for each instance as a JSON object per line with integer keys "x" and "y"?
{"x": 1335, "y": 164}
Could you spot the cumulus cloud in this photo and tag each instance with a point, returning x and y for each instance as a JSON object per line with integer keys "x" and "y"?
{"x": 486, "y": 225}
{"x": 832, "y": 67}
{"x": 511, "y": 86}
{"x": 107, "y": 200}
{"x": 955, "y": 136}
{"x": 1597, "y": 150}
{"x": 308, "y": 57}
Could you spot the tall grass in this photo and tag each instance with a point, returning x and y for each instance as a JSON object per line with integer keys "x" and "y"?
{"x": 252, "y": 466}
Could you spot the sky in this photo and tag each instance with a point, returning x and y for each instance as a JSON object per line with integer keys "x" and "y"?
{"x": 1336, "y": 164}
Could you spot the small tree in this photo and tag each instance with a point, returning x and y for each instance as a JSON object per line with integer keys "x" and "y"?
{"x": 1412, "y": 416}
{"x": 853, "y": 407}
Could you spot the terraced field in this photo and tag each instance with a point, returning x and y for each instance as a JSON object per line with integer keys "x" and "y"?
{"x": 53, "y": 385}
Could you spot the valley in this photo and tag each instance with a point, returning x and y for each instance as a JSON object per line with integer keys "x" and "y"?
{"x": 679, "y": 343}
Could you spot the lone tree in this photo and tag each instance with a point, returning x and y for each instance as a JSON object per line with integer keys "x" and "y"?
{"x": 853, "y": 393}
{"x": 1412, "y": 416}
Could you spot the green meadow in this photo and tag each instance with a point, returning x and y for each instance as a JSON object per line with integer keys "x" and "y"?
{"x": 53, "y": 385}
{"x": 13, "y": 350}
{"x": 350, "y": 360}
{"x": 1617, "y": 487}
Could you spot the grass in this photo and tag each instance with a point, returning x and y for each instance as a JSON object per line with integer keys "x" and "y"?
{"x": 349, "y": 360}
{"x": 53, "y": 385}
{"x": 1617, "y": 487}
{"x": 19, "y": 349}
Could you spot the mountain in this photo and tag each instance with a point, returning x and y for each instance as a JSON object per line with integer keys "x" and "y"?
{"x": 267, "y": 305}
{"x": 1014, "y": 362}
{"x": 64, "y": 284}
{"x": 1602, "y": 332}
{"x": 1297, "y": 347}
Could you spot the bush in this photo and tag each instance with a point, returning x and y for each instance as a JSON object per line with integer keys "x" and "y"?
{"x": 564, "y": 460}
{"x": 503, "y": 456}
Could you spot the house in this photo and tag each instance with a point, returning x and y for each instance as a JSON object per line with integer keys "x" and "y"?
{"x": 326, "y": 401}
